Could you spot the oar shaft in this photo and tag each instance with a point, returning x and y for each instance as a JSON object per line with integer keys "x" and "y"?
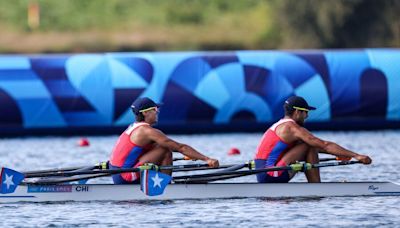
{"x": 201, "y": 180}
{"x": 27, "y": 173}
{"x": 337, "y": 163}
{"x": 295, "y": 167}
{"x": 327, "y": 159}
{"x": 183, "y": 159}
{"x": 65, "y": 179}
{"x": 190, "y": 167}
{"x": 206, "y": 168}
{"x": 101, "y": 165}
{"x": 334, "y": 159}
{"x": 248, "y": 172}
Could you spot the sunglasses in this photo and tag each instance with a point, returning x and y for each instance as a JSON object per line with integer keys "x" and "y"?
{"x": 155, "y": 108}
{"x": 301, "y": 109}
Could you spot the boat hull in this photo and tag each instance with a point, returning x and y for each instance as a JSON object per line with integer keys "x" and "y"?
{"x": 110, "y": 192}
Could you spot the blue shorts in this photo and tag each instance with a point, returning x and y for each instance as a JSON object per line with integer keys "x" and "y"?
{"x": 265, "y": 178}
{"x": 117, "y": 178}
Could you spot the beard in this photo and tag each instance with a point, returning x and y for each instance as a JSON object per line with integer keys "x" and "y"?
{"x": 155, "y": 121}
{"x": 301, "y": 123}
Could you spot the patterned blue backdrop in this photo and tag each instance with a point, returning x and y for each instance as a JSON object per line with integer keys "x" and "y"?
{"x": 201, "y": 91}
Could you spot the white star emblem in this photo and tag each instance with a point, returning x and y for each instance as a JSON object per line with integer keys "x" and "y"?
{"x": 9, "y": 181}
{"x": 157, "y": 181}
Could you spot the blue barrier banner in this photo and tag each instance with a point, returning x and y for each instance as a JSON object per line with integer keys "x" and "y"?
{"x": 205, "y": 91}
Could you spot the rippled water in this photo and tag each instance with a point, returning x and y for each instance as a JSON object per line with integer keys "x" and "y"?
{"x": 50, "y": 152}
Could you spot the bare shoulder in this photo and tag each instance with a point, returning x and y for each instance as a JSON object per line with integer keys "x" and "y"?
{"x": 153, "y": 133}
{"x": 291, "y": 131}
{"x": 286, "y": 131}
{"x": 149, "y": 131}
{"x": 306, "y": 136}
{"x": 143, "y": 135}
{"x": 288, "y": 127}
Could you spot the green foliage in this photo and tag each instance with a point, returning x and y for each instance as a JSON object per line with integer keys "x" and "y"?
{"x": 339, "y": 23}
{"x": 202, "y": 24}
{"x": 75, "y": 15}
{"x": 13, "y": 12}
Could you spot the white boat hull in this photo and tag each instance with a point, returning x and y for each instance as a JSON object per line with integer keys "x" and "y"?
{"x": 110, "y": 192}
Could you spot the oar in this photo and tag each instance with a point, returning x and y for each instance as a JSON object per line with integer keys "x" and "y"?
{"x": 335, "y": 159}
{"x": 104, "y": 166}
{"x": 185, "y": 158}
{"x": 57, "y": 180}
{"x": 250, "y": 164}
{"x": 202, "y": 180}
{"x": 101, "y": 168}
{"x": 206, "y": 167}
{"x": 100, "y": 165}
{"x": 233, "y": 174}
{"x": 190, "y": 167}
{"x": 83, "y": 175}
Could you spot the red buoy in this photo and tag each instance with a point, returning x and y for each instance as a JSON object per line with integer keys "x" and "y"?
{"x": 234, "y": 151}
{"x": 83, "y": 142}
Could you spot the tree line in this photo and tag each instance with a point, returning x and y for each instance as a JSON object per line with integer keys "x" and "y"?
{"x": 158, "y": 25}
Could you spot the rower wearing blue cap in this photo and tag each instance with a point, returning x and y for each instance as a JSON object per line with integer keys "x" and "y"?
{"x": 141, "y": 143}
{"x": 287, "y": 141}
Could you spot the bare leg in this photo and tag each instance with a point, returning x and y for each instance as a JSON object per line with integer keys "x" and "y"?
{"x": 303, "y": 152}
{"x": 159, "y": 156}
{"x": 312, "y": 174}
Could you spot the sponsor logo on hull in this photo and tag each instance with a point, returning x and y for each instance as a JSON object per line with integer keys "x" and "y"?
{"x": 50, "y": 188}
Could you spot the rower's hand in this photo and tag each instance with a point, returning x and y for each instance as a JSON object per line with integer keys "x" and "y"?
{"x": 212, "y": 163}
{"x": 364, "y": 159}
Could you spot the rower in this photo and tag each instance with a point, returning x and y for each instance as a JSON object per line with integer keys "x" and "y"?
{"x": 287, "y": 141}
{"x": 141, "y": 143}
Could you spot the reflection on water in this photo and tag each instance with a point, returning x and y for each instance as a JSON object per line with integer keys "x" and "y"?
{"x": 288, "y": 200}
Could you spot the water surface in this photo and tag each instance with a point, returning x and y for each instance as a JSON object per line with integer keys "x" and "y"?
{"x": 50, "y": 152}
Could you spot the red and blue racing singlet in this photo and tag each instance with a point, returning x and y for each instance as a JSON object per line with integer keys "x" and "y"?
{"x": 126, "y": 153}
{"x": 272, "y": 148}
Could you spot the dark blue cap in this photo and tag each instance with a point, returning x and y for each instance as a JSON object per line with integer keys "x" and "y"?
{"x": 143, "y": 103}
{"x": 297, "y": 102}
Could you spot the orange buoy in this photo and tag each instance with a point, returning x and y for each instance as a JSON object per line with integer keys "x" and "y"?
{"x": 234, "y": 151}
{"x": 83, "y": 142}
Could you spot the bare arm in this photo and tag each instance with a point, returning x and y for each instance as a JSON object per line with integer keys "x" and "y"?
{"x": 329, "y": 147}
{"x": 162, "y": 140}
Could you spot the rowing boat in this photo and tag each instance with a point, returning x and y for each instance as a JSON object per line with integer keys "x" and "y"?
{"x": 55, "y": 185}
{"x": 110, "y": 192}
